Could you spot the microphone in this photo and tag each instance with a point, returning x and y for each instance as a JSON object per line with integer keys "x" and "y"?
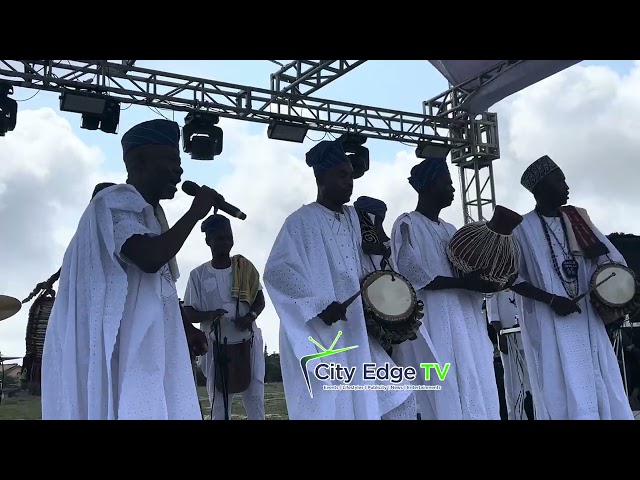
{"x": 191, "y": 188}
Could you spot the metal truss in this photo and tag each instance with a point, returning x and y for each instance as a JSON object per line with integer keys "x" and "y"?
{"x": 307, "y": 76}
{"x": 475, "y": 165}
{"x": 451, "y": 102}
{"x": 475, "y": 159}
{"x": 126, "y": 64}
{"x": 474, "y": 141}
{"x": 129, "y": 83}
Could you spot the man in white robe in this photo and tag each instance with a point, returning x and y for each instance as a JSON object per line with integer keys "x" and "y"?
{"x": 453, "y": 329}
{"x": 227, "y": 290}
{"x": 116, "y": 346}
{"x": 572, "y": 365}
{"x": 315, "y": 266}
{"x": 503, "y": 313}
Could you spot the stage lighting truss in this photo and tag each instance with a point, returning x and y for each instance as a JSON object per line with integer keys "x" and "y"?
{"x": 443, "y": 121}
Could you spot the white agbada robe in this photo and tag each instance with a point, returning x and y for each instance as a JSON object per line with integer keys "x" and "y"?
{"x": 209, "y": 289}
{"x": 453, "y": 329}
{"x": 315, "y": 261}
{"x": 572, "y": 366}
{"x": 503, "y": 309}
{"x": 115, "y": 346}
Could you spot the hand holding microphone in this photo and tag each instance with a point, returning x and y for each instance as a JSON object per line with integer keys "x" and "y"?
{"x": 206, "y": 198}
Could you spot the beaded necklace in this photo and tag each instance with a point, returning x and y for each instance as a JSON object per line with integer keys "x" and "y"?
{"x": 569, "y": 265}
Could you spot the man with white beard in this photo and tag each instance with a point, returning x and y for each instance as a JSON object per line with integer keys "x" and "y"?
{"x": 572, "y": 366}
{"x": 503, "y": 313}
{"x": 313, "y": 268}
{"x": 453, "y": 329}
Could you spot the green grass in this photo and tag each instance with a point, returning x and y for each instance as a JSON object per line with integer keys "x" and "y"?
{"x": 28, "y": 407}
{"x": 275, "y": 407}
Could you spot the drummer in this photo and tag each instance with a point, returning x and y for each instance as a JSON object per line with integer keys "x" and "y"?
{"x": 566, "y": 343}
{"x": 453, "y": 326}
{"x": 213, "y": 290}
{"x": 313, "y": 267}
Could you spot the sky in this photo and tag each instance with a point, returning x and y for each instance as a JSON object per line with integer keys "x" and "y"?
{"x": 583, "y": 117}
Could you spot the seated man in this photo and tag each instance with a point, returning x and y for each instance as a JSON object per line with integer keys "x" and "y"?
{"x": 225, "y": 292}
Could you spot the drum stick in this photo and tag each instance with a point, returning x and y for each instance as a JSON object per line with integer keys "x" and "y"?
{"x": 580, "y": 297}
{"x": 350, "y": 300}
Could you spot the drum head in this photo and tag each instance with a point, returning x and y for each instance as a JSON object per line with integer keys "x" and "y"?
{"x": 389, "y": 295}
{"x": 618, "y": 290}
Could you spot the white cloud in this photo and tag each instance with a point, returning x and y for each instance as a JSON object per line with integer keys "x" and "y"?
{"x": 584, "y": 118}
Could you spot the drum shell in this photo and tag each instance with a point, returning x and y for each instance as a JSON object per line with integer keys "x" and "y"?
{"x": 607, "y": 314}
{"x": 468, "y": 258}
{"x": 469, "y": 254}
{"x": 36, "y": 331}
{"x": 239, "y": 358}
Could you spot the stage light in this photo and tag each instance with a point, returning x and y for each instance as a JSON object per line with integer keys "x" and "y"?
{"x": 83, "y": 102}
{"x": 353, "y": 145}
{"x": 90, "y": 121}
{"x": 8, "y": 109}
{"x": 200, "y": 137}
{"x": 98, "y": 111}
{"x": 287, "y": 131}
{"x": 111, "y": 117}
{"x": 429, "y": 150}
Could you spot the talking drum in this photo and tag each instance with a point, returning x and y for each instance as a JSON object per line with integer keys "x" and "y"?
{"x": 392, "y": 310}
{"x": 236, "y": 357}
{"x": 614, "y": 292}
{"x": 232, "y": 355}
{"x": 488, "y": 248}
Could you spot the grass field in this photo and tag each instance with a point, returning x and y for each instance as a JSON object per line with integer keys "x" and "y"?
{"x": 28, "y": 407}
